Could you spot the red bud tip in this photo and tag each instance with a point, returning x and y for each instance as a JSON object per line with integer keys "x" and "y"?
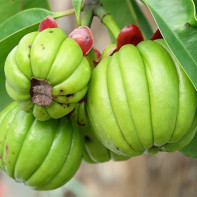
{"x": 72, "y": 111}
{"x": 156, "y": 35}
{"x": 48, "y": 22}
{"x": 82, "y": 35}
{"x": 130, "y": 34}
{"x": 95, "y": 63}
{"x": 82, "y": 100}
{"x": 97, "y": 55}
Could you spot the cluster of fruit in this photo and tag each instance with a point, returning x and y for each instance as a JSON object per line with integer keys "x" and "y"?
{"x": 138, "y": 100}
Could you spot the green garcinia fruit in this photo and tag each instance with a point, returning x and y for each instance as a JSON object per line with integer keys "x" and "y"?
{"x": 94, "y": 151}
{"x": 47, "y": 74}
{"x": 140, "y": 100}
{"x": 42, "y": 155}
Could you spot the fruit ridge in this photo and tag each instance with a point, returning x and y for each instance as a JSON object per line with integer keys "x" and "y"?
{"x": 94, "y": 151}
{"x": 43, "y": 60}
{"x": 42, "y": 155}
{"x": 138, "y": 101}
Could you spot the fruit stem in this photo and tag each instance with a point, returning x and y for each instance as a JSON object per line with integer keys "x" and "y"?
{"x": 107, "y": 19}
{"x": 64, "y": 13}
{"x": 88, "y": 12}
{"x": 111, "y": 25}
{"x": 87, "y": 18}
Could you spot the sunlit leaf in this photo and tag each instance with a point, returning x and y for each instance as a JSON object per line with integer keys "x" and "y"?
{"x": 178, "y": 25}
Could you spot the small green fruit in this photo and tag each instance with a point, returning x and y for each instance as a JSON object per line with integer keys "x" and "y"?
{"x": 47, "y": 74}
{"x": 42, "y": 155}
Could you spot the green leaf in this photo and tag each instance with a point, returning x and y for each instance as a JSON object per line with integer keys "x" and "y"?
{"x": 17, "y": 26}
{"x": 12, "y": 31}
{"x": 191, "y": 149}
{"x": 23, "y": 20}
{"x": 126, "y": 12}
{"x": 178, "y": 25}
{"x": 36, "y": 4}
{"x": 9, "y": 8}
{"x": 77, "y": 5}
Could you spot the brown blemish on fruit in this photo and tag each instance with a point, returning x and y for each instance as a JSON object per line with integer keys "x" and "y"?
{"x": 87, "y": 138}
{"x": 29, "y": 46}
{"x": 187, "y": 25}
{"x": 117, "y": 148}
{"x": 29, "y": 55}
{"x": 82, "y": 100}
{"x": 80, "y": 124}
{"x": 41, "y": 92}
{"x": 0, "y": 156}
{"x": 68, "y": 105}
{"x": 6, "y": 151}
{"x": 43, "y": 47}
{"x": 61, "y": 91}
{"x": 69, "y": 95}
{"x": 51, "y": 31}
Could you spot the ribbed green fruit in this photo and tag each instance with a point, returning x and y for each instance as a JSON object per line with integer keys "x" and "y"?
{"x": 47, "y": 74}
{"x": 140, "y": 100}
{"x": 42, "y": 155}
{"x": 94, "y": 151}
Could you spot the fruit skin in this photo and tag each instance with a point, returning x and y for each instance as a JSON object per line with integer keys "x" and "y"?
{"x": 43, "y": 155}
{"x": 94, "y": 151}
{"x": 138, "y": 101}
{"x": 52, "y": 57}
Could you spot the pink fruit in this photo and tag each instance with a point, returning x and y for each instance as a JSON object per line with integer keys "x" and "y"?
{"x": 82, "y": 35}
{"x": 48, "y": 22}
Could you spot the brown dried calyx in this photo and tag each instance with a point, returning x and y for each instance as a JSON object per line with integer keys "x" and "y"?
{"x": 41, "y": 92}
